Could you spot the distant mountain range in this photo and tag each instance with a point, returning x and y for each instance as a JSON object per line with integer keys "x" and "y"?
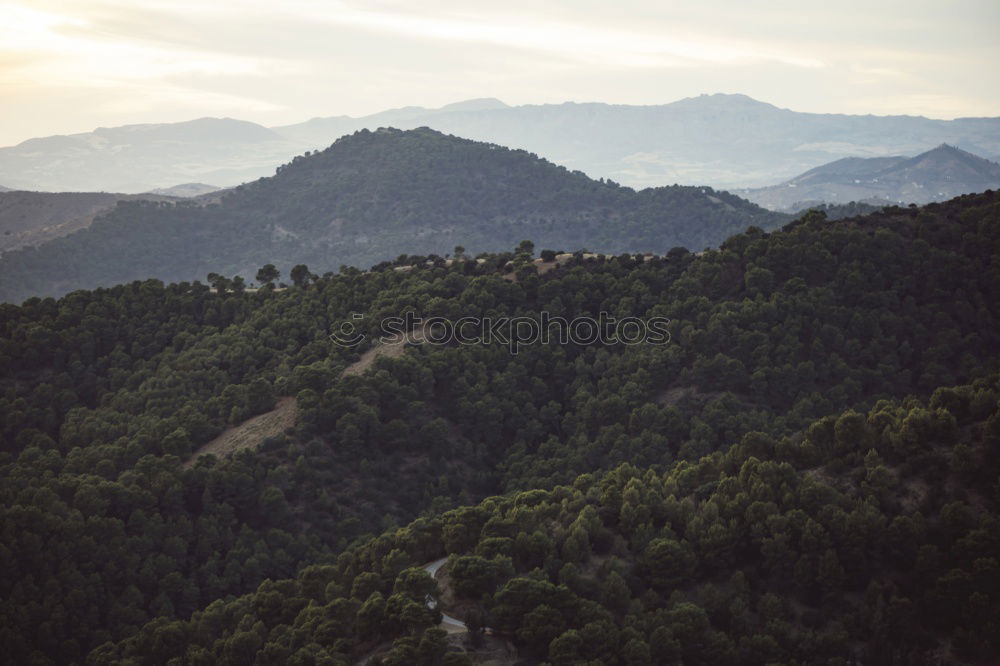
{"x": 719, "y": 140}
{"x": 371, "y": 197}
{"x": 936, "y": 175}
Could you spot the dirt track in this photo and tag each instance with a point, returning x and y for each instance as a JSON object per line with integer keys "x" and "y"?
{"x": 250, "y": 433}
{"x": 255, "y": 430}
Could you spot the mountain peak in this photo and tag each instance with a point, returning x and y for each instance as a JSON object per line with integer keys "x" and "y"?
{"x": 478, "y": 104}
{"x": 940, "y": 173}
{"x": 722, "y": 103}
{"x": 716, "y": 99}
{"x": 203, "y": 124}
{"x": 948, "y": 151}
{"x": 207, "y": 131}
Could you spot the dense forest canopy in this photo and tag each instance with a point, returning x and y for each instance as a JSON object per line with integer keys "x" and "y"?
{"x": 868, "y": 537}
{"x": 807, "y": 473}
{"x": 370, "y": 197}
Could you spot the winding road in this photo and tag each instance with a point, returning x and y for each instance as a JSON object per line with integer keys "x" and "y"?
{"x": 450, "y": 622}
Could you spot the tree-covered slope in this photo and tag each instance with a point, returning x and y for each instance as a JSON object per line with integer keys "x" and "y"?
{"x": 32, "y": 218}
{"x": 370, "y": 197}
{"x": 104, "y": 395}
{"x": 866, "y": 538}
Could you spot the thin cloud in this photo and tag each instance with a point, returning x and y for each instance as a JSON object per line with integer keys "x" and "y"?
{"x": 584, "y": 43}
{"x": 70, "y": 64}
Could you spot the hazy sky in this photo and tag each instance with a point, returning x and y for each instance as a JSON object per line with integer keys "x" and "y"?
{"x": 69, "y": 66}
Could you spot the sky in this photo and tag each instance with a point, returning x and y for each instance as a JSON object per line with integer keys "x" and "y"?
{"x": 72, "y": 65}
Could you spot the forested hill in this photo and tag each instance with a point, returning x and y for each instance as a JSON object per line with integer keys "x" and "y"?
{"x": 372, "y": 196}
{"x": 800, "y": 347}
